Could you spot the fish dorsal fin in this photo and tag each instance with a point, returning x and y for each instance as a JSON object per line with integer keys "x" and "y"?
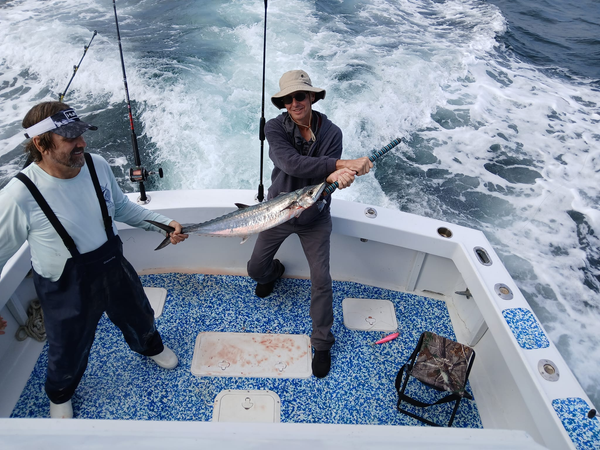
{"x": 241, "y": 205}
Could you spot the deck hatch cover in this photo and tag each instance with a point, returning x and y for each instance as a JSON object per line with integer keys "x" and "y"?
{"x": 247, "y": 406}
{"x": 252, "y": 355}
{"x": 366, "y": 314}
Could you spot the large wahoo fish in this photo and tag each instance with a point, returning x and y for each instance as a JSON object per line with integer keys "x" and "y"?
{"x": 253, "y": 219}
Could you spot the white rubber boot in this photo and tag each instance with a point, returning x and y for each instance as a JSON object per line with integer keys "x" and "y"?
{"x": 61, "y": 411}
{"x": 166, "y": 359}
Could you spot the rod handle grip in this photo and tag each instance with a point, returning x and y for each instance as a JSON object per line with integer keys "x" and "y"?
{"x": 375, "y": 156}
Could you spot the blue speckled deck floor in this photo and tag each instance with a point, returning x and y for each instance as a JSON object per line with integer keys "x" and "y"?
{"x": 120, "y": 384}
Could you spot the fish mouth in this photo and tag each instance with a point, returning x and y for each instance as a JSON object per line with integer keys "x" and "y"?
{"x": 310, "y": 195}
{"x": 320, "y": 190}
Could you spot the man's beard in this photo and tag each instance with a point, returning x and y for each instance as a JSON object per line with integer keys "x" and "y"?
{"x": 73, "y": 161}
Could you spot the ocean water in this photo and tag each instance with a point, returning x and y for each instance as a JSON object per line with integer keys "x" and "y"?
{"x": 498, "y": 103}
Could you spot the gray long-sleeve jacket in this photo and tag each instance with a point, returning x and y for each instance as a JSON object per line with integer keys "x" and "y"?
{"x": 299, "y": 163}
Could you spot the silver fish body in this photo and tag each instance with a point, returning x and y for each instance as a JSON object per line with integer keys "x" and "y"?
{"x": 248, "y": 220}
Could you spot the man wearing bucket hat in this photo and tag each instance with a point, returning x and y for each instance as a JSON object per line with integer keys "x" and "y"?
{"x": 306, "y": 149}
{"x": 64, "y": 205}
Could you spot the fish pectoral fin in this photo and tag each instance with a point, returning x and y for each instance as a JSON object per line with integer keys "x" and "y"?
{"x": 241, "y": 205}
{"x": 244, "y": 239}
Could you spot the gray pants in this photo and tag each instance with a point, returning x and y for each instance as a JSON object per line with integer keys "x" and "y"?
{"x": 315, "y": 240}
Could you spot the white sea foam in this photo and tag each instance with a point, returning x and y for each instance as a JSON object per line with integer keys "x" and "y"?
{"x": 430, "y": 72}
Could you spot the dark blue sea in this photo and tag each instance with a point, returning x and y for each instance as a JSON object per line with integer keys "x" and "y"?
{"x": 498, "y": 103}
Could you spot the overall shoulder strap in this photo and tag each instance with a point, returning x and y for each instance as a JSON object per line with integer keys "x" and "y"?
{"x": 41, "y": 201}
{"x": 105, "y": 216}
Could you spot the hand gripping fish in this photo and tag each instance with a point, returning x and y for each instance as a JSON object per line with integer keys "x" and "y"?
{"x": 253, "y": 219}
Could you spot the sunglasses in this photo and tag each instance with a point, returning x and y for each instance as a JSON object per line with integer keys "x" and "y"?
{"x": 300, "y": 97}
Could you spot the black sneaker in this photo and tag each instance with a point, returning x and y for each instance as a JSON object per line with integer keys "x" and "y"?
{"x": 321, "y": 363}
{"x": 264, "y": 290}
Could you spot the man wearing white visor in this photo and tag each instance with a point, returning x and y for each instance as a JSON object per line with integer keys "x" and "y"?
{"x": 64, "y": 123}
{"x": 65, "y": 205}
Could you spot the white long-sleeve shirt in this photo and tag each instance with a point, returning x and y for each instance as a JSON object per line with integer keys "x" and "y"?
{"x": 75, "y": 203}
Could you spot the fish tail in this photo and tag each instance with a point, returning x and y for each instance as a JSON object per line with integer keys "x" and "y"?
{"x": 163, "y": 227}
{"x": 164, "y": 243}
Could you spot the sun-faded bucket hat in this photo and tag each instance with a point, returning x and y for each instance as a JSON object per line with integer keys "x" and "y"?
{"x": 294, "y": 81}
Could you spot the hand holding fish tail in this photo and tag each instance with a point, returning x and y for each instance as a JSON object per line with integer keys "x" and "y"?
{"x": 344, "y": 178}
{"x": 174, "y": 232}
{"x": 177, "y": 235}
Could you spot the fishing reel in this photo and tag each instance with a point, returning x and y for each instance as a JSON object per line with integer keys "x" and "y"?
{"x": 140, "y": 174}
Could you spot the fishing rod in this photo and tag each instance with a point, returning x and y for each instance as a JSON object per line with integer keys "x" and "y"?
{"x": 75, "y": 68}
{"x": 137, "y": 174}
{"x": 261, "y": 132}
{"x": 375, "y": 156}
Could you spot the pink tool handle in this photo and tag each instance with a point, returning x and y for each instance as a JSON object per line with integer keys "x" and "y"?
{"x": 388, "y": 338}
